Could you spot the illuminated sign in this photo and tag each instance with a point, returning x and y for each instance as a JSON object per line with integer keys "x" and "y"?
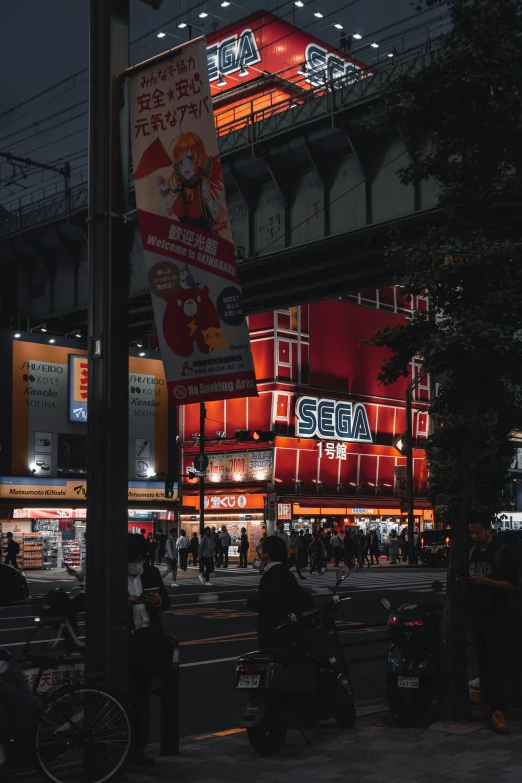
{"x": 78, "y": 387}
{"x": 332, "y": 419}
{"x": 322, "y": 66}
{"x": 231, "y": 54}
{"x": 14, "y": 488}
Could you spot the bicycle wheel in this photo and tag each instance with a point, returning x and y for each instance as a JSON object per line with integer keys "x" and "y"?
{"x": 84, "y": 735}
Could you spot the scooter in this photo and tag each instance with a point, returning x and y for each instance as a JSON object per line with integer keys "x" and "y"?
{"x": 413, "y": 661}
{"x": 299, "y": 686}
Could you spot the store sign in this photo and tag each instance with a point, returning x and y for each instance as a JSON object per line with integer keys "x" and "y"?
{"x": 78, "y": 387}
{"x": 231, "y": 502}
{"x": 20, "y": 489}
{"x": 238, "y": 466}
{"x": 185, "y": 229}
{"x": 335, "y": 419}
{"x": 322, "y": 66}
{"x": 232, "y": 53}
{"x": 49, "y": 513}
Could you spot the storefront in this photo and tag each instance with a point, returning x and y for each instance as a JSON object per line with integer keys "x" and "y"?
{"x": 236, "y": 510}
{"x": 54, "y": 536}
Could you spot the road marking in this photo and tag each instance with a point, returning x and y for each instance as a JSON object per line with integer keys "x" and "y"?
{"x": 226, "y": 733}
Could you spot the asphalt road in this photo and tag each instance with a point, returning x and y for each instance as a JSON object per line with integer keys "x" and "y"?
{"x": 213, "y": 628}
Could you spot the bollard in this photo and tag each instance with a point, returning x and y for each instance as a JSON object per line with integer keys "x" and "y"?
{"x": 169, "y": 706}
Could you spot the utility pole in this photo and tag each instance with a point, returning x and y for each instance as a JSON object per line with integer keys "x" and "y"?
{"x": 107, "y": 425}
{"x": 409, "y": 476}
{"x": 202, "y": 417}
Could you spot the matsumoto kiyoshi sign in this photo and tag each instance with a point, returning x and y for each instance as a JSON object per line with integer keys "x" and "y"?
{"x": 332, "y": 420}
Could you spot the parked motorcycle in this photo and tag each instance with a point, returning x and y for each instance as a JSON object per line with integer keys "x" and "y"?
{"x": 413, "y": 661}
{"x": 299, "y": 686}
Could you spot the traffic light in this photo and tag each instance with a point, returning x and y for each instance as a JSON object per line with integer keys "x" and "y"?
{"x": 257, "y": 436}
{"x": 169, "y": 489}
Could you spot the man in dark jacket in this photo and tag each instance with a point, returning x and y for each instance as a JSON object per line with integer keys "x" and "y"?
{"x": 13, "y": 549}
{"x": 278, "y": 596}
{"x": 149, "y": 647}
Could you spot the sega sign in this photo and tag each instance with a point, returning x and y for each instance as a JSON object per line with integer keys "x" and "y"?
{"x": 322, "y": 66}
{"x": 332, "y": 419}
{"x": 232, "y": 53}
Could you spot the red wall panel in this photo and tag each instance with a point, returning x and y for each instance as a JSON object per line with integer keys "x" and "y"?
{"x": 263, "y": 354}
{"x": 260, "y": 411}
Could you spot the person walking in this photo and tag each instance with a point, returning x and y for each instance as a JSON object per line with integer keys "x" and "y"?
{"x": 293, "y": 554}
{"x": 162, "y": 546}
{"x": 403, "y": 544}
{"x": 364, "y": 548}
{"x": 243, "y": 548}
{"x": 194, "y": 548}
{"x": 183, "y": 545}
{"x": 217, "y": 544}
{"x": 307, "y": 540}
{"x": 171, "y": 558}
{"x": 337, "y": 549}
{"x": 374, "y": 547}
{"x": 13, "y": 550}
{"x": 152, "y": 547}
{"x": 259, "y": 549}
{"x": 327, "y": 541}
{"x": 393, "y": 547}
{"x": 491, "y": 587}
{"x": 224, "y": 544}
{"x": 207, "y": 551}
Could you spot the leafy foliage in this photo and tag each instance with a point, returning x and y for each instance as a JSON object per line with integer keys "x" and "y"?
{"x": 466, "y": 107}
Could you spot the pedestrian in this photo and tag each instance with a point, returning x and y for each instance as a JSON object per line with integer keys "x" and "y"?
{"x": 374, "y": 547}
{"x": 224, "y": 544}
{"x": 282, "y": 534}
{"x": 403, "y": 543}
{"x": 13, "y": 550}
{"x": 194, "y": 548}
{"x": 316, "y": 550}
{"x": 337, "y": 550}
{"x": 206, "y": 557}
{"x": 162, "y": 546}
{"x": 393, "y": 546}
{"x": 416, "y": 547}
{"x": 143, "y": 533}
{"x": 491, "y": 587}
{"x": 183, "y": 545}
{"x": 259, "y": 549}
{"x": 307, "y": 540}
{"x": 171, "y": 558}
{"x": 327, "y": 541}
{"x": 150, "y": 648}
{"x": 364, "y": 547}
{"x": 293, "y": 554}
{"x": 152, "y": 545}
{"x": 215, "y": 539}
{"x": 243, "y": 548}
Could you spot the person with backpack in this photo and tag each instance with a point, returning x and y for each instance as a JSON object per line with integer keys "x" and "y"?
{"x": 317, "y": 555}
{"x": 491, "y": 585}
{"x": 13, "y": 550}
{"x": 183, "y": 545}
{"x": 243, "y": 548}
{"x": 225, "y": 541}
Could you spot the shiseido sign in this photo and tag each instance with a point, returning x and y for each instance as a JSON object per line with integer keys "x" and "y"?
{"x": 332, "y": 420}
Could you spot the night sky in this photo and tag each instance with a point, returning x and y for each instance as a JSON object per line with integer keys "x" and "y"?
{"x": 43, "y": 43}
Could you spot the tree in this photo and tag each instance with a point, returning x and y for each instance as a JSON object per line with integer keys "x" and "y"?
{"x": 462, "y": 117}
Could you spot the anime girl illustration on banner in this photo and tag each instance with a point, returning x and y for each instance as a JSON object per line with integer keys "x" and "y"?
{"x": 194, "y": 192}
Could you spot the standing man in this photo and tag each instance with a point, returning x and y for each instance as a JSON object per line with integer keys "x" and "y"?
{"x": 491, "y": 587}
{"x": 293, "y": 554}
{"x": 244, "y": 546}
{"x": 374, "y": 547}
{"x": 217, "y": 544}
{"x": 183, "y": 544}
{"x": 224, "y": 540}
{"x": 336, "y": 548}
{"x": 280, "y": 533}
{"x": 207, "y": 550}
{"x": 171, "y": 558}
{"x": 13, "y": 549}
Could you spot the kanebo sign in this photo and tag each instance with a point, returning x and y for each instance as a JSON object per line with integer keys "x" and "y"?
{"x": 331, "y": 419}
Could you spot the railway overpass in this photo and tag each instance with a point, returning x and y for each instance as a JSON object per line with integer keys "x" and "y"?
{"x": 312, "y": 199}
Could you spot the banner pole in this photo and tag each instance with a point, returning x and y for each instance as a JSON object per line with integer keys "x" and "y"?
{"x": 202, "y": 417}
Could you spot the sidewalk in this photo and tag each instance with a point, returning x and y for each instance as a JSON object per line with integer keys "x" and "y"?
{"x": 373, "y": 752}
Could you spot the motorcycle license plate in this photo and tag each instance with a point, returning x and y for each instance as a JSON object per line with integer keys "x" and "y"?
{"x": 249, "y": 681}
{"x": 408, "y": 682}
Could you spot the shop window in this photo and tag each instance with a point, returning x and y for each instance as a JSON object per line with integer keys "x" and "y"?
{"x": 282, "y": 407}
{"x": 72, "y": 452}
{"x": 283, "y": 352}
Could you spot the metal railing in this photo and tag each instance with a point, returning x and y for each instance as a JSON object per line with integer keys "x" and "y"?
{"x": 242, "y": 131}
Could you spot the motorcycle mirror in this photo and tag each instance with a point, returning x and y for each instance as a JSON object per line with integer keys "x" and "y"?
{"x": 341, "y": 573}
{"x": 385, "y": 603}
{"x": 437, "y": 586}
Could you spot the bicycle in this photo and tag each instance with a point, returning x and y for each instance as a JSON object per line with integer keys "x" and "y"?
{"x": 84, "y": 733}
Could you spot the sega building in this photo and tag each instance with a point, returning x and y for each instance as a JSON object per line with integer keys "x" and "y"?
{"x": 332, "y": 463}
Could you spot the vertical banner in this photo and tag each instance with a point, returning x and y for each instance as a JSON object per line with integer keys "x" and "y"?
{"x": 185, "y": 230}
